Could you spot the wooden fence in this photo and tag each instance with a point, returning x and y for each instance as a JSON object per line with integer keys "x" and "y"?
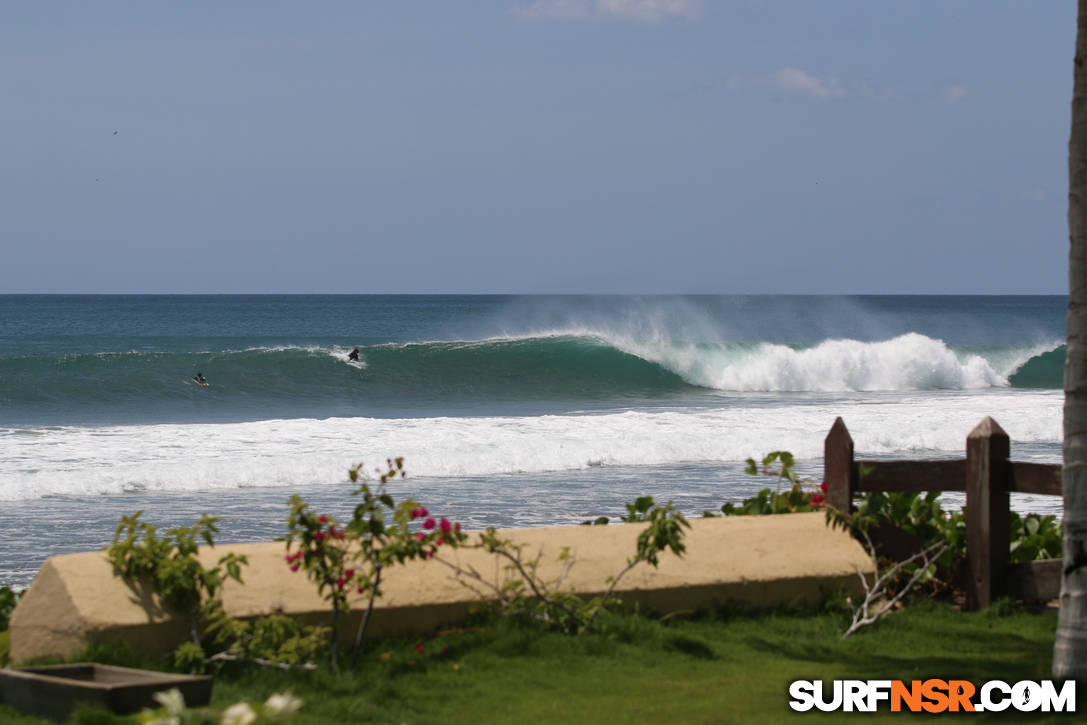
{"x": 987, "y": 476}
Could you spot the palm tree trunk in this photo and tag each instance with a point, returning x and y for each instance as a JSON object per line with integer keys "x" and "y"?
{"x": 1070, "y": 649}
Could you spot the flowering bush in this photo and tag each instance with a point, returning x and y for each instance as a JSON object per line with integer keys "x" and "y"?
{"x": 323, "y": 552}
{"x": 352, "y": 556}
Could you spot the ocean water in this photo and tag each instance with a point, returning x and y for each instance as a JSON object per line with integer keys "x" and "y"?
{"x": 509, "y": 411}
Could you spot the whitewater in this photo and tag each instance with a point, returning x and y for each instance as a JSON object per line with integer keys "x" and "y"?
{"x": 520, "y": 411}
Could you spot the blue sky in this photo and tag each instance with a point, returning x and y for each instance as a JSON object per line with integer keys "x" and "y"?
{"x": 535, "y": 146}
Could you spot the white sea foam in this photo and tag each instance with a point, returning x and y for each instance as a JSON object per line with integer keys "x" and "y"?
{"x": 87, "y": 461}
{"x": 908, "y": 362}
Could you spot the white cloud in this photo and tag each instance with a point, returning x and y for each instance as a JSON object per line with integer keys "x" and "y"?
{"x": 796, "y": 80}
{"x": 955, "y": 93}
{"x": 645, "y": 11}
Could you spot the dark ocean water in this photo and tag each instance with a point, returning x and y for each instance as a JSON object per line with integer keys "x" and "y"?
{"x": 509, "y": 410}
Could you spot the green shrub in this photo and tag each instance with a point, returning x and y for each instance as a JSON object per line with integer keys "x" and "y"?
{"x": 8, "y": 599}
{"x": 1035, "y": 537}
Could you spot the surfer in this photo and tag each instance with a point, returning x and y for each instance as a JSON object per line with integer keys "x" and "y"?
{"x": 199, "y": 379}
{"x": 353, "y": 355}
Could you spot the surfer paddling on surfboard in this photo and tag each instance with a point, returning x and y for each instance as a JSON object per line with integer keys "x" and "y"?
{"x": 353, "y": 355}
{"x": 199, "y": 379}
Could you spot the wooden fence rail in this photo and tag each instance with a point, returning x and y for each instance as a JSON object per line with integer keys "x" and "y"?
{"x": 987, "y": 476}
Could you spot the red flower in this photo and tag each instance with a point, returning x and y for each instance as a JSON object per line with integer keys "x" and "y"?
{"x": 319, "y": 536}
{"x": 423, "y": 512}
{"x": 456, "y": 526}
{"x": 823, "y": 486}
{"x": 445, "y": 651}
{"x": 349, "y": 573}
{"x": 430, "y": 553}
{"x": 446, "y": 526}
{"x": 441, "y": 540}
{"x": 322, "y": 519}
{"x": 294, "y": 567}
{"x": 289, "y": 558}
{"x": 340, "y": 582}
{"x": 817, "y": 499}
{"x": 419, "y": 648}
{"x": 428, "y": 524}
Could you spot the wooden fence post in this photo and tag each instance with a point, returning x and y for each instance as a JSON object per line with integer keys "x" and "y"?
{"x": 987, "y": 534}
{"x": 838, "y": 467}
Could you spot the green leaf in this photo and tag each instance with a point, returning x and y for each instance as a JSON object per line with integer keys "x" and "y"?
{"x": 1032, "y": 524}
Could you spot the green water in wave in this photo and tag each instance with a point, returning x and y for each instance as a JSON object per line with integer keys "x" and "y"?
{"x": 1041, "y": 371}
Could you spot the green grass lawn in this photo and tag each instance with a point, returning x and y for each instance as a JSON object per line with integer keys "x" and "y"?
{"x": 711, "y": 669}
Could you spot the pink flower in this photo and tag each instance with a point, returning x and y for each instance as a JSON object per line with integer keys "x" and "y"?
{"x": 420, "y": 536}
{"x": 823, "y": 486}
{"x": 446, "y": 526}
{"x": 294, "y": 567}
{"x": 430, "y": 554}
{"x": 428, "y": 524}
{"x": 289, "y": 558}
{"x": 340, "y": 582}
{"x": 423, "y": 512}
{"x": 817, "y": 499}
{"x": 441, "y": 540}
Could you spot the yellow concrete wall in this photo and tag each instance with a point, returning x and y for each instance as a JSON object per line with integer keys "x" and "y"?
{"x": 760, "y": 560}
